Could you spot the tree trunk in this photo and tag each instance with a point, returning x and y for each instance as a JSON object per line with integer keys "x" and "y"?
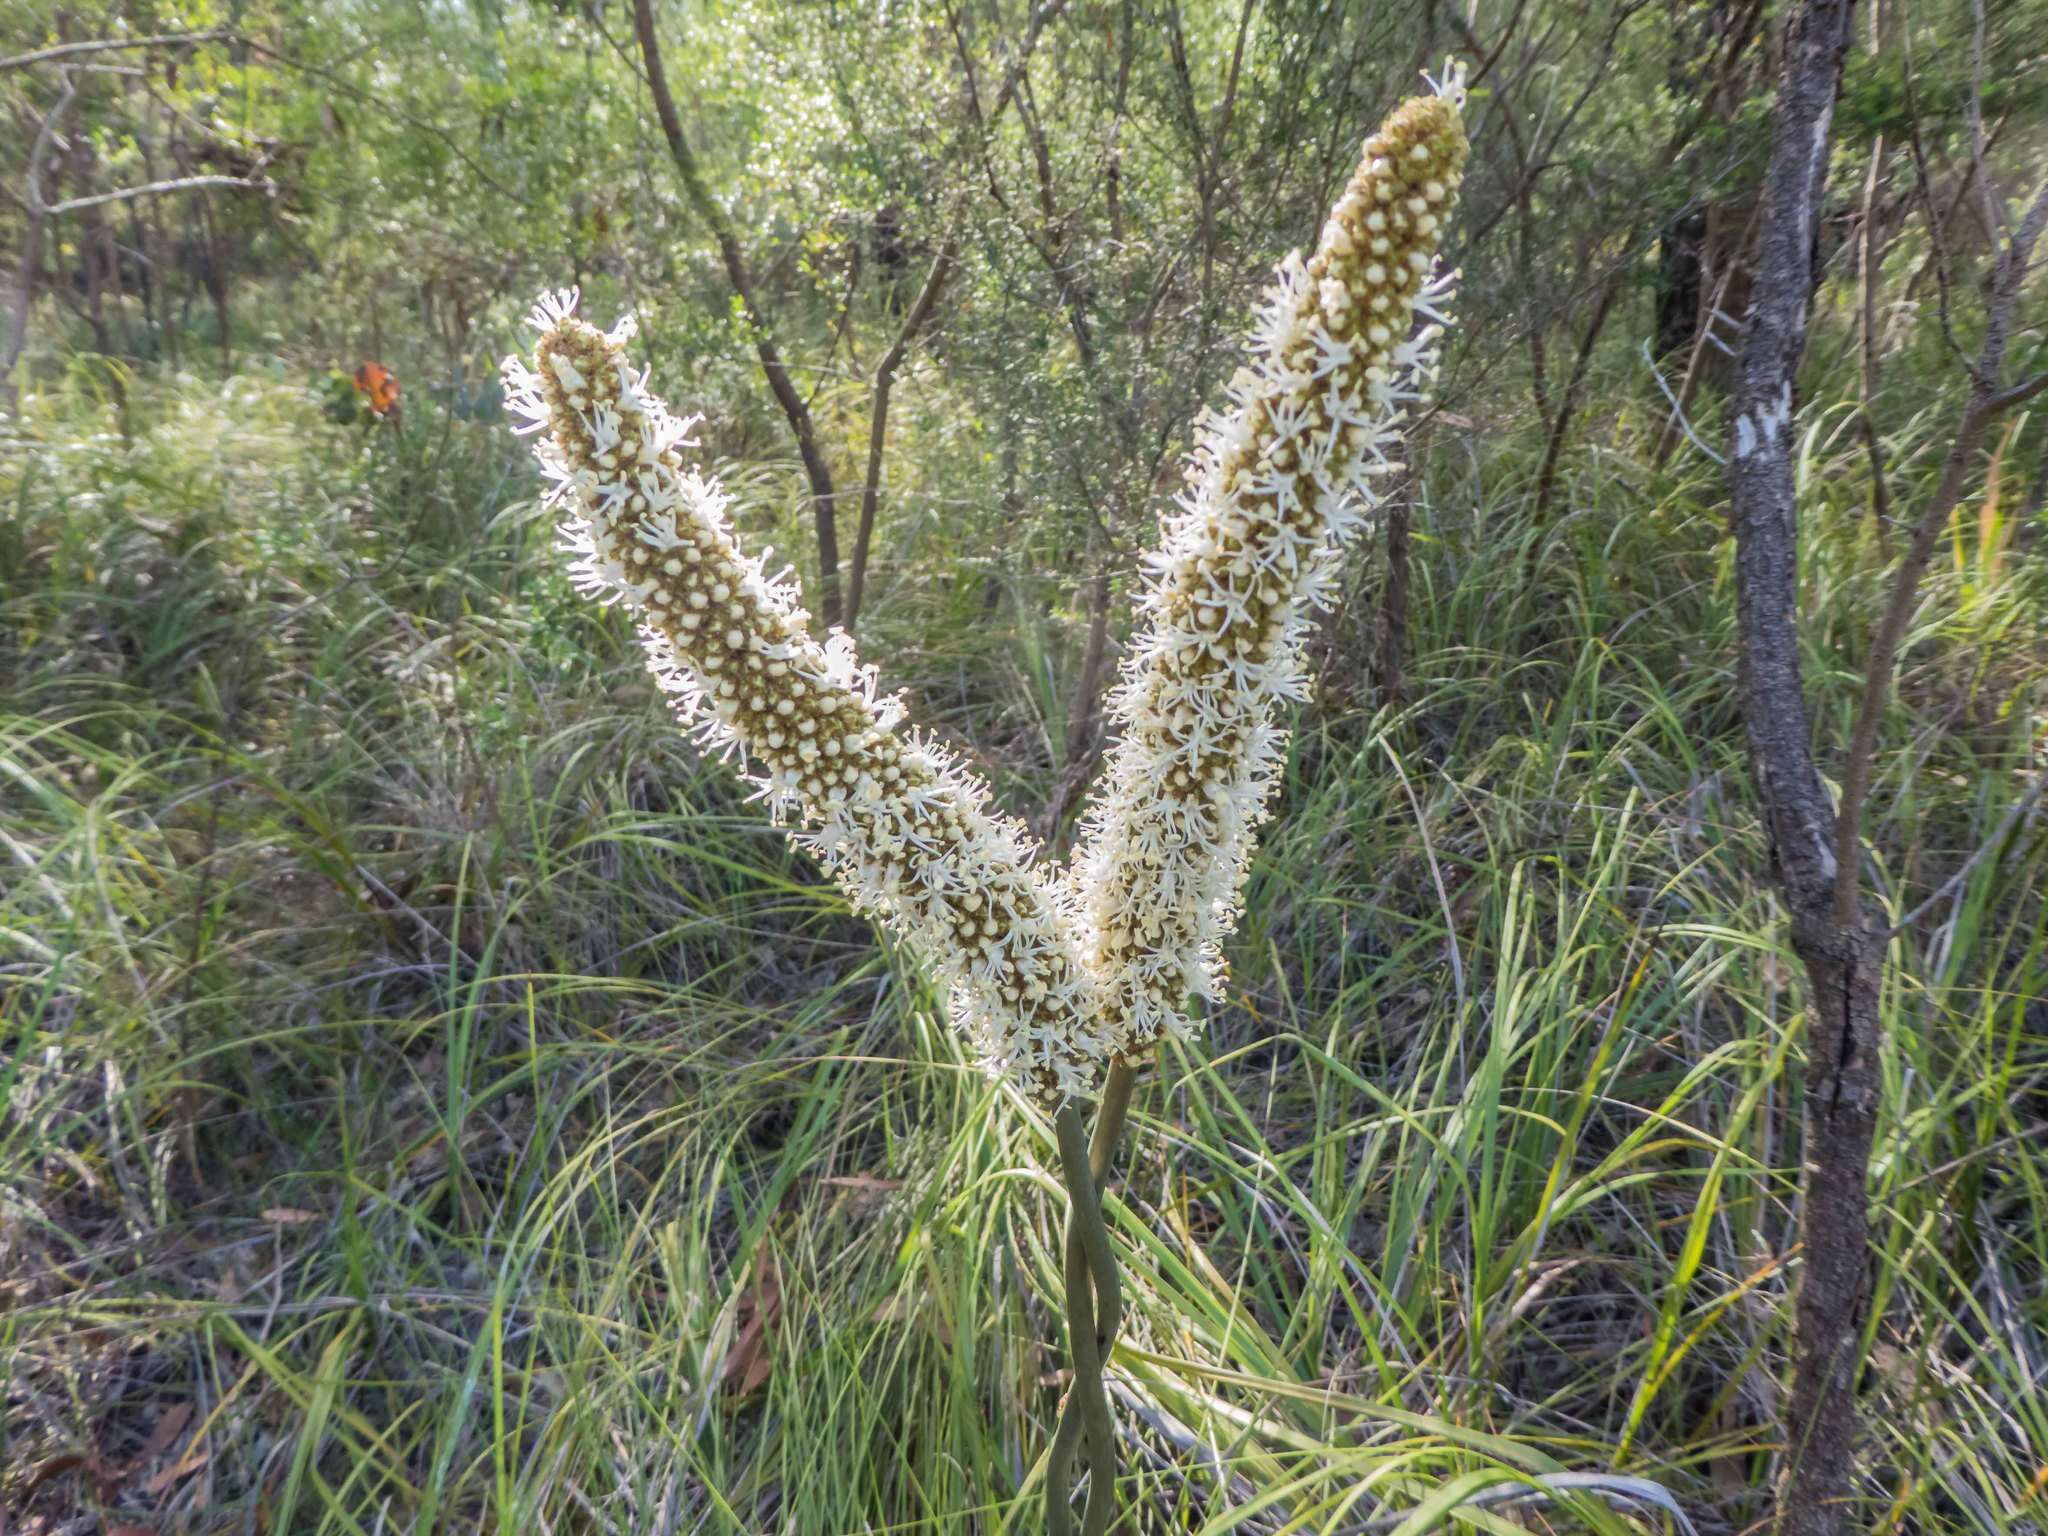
{"x": 216, "y": 276}
{"x": 160, "y": 260}
{"x": 17, "y": 318}
{"x": 1842, "y": 955}
{"x": 1816, "y": 1483}
{"x": 1574, "y": 390}
{"x": 31, "y": 254}
{"x": 1681, "y": 289}
{"x": 878, "y": 424}
{"x": 93, "y": 245}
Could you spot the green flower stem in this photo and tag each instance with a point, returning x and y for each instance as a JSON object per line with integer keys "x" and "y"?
{"x": 1059, "y": 1461}
{"x": 1092, "y": 1291}
{"x": 1086, "y": 1226}
{"x": 1087, "y": 1374}
{"x": 1109, "y": 1120}
{"x": 1081, "y": 1281}
{"x": 1109, "y": 1129}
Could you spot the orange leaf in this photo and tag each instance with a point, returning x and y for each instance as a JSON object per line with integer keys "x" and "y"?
{"x": 378, "y": 386}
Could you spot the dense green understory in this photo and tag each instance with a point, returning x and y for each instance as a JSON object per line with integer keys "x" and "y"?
{"x": 436, "y": 1101}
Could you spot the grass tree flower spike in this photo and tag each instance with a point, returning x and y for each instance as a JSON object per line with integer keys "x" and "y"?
{"x": 1276, "y": 485}
{"x": 908, "y": 832}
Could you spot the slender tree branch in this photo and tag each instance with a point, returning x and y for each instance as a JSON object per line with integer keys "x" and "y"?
{"x": 31, "y": 245}
{"x": 1986, "y": 398}
{"x": 920, "y": 312}
{"x": 1041, "y": 17}
{"x": 1677, "y": 426}
{"x": 46, "y": 135}
{"x": 2019, "y": 394}
{"x": 156, "y": 189}
{"x": 1553, "y": 451}
{"x": 384, "y": 104}
{"x": 1993, "y": 209}
{"x": 109, "y": 45}
{"x": 1867, "y": 261}
{"x": 1082, "y": 710}
{"x": 1937, "y": 220}
{"x": 794, "y": 411}
{"x": 878, "y": 422}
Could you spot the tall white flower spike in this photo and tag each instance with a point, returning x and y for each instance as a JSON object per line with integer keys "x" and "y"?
{"x": 1276, "y": 485}
{"x": 906, "y": 830}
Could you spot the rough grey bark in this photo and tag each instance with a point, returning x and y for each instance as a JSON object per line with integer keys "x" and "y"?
{"x": 1842, "y": 958}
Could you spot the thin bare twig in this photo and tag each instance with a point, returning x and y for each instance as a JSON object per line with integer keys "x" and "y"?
{"x": 1867, "y": 260}
{"x": 795, "y": 410}
{"x": 31, "y": 245}
{"x": 111, "y": 44}
{"x": 878, "y": 421}
{"x": 761, "y": 331}
{"x": 157, "y": 189}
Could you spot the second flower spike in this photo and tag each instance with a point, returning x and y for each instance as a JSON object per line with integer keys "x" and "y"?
{"x": 1275, "y": 486}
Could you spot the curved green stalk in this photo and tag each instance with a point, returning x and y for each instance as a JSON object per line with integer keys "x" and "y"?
{"x": 1059, "y": 1461}
{"x": 1109, "y": 1120}
{"x": 1109, "y": 1129}
{"x": 1081, "y": 1278}
{"x": 1092, "y": 1290}
{"x": 1090, "y": 1230}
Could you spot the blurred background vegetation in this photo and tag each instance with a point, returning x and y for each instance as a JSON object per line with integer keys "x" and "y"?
{"x": 430, "y": 1099}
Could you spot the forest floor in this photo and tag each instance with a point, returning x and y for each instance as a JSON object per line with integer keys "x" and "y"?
{"x": 434, "y": 1100}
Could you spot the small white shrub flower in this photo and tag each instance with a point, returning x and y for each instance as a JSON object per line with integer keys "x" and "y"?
{"x": 907, "y": 831}
{"x": 1276, "y": 486}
